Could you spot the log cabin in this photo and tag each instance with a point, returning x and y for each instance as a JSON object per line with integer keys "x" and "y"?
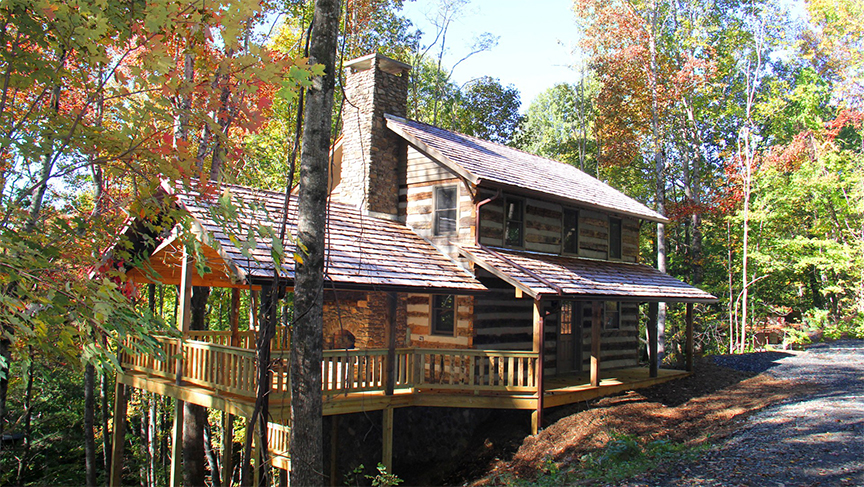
{"x": 460, "y": 273}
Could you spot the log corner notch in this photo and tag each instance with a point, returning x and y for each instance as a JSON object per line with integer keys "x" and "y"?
{"x": 539, "y": 345}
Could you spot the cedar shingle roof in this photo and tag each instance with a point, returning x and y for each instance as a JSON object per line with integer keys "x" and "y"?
{"x": 536, "y": 274}
{"x": 363, "y": 251}
{"x": 481, "y": 161}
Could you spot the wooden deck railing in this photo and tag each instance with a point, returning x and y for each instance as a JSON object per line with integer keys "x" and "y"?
{"x": 233, "y": 369}
{"x": 475, "y": 370}
{"x": 245, "y": 338}
{"x": 359, "y": 370}
{"x": 218, "y": 367}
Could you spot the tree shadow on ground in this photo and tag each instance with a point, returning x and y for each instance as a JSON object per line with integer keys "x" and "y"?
{"x": 757, "y": 362}
{"x": 711, "y": 374}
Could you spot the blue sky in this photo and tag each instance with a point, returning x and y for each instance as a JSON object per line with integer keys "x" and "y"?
{"x": 537, "y": 41}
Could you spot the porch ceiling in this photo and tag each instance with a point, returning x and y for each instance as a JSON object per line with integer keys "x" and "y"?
{"x": 166, "y": 264}
{"x": 546, "y": 275}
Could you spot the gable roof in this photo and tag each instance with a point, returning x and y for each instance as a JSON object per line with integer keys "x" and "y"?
{"x": 569, "y": 277}
{"x": 362, "y": 252}
{"x": 483, "y": 162}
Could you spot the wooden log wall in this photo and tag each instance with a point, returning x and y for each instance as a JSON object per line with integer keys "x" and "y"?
{"x": 416, "y": 202}
{"x": 502, "y": 321}
{"x": 618, "y": 347}
{"x": 543, "y": 229}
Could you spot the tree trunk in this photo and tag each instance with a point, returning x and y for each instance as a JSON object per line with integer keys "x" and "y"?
{"x": 660, "y": 179}
{"x": 106, "y": 438}
{"x": 194, "y": 416}
{"x": 23, "y": 462}
{"x": 143, "y": 446}
{"x": 89, "y": 424}
{"x": 261, "y": 413}
{"x": 215, "y": 478}
{"x": 306, "y": 341}
{"x": 151, "y": 441}
{"x": 5, "y": 369}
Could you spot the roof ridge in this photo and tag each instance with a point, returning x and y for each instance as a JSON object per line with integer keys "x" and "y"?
{"x": 475, "y": 138}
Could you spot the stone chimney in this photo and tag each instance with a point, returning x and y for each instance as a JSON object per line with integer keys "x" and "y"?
{"x": 371, "y": 153}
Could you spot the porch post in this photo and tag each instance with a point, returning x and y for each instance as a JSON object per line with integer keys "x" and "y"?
{"x": 185, "y": 300}
{"x": 234, "y": 317}
{"x": 689, "y": 337}
{"x": 334, "y": 449}
{"x": 390, "y": 336}
{"x": 227, "y": 448}
{"x": 387, "y": 438}
{"x": 253, "y": 310}
{"x": 186, "y": 292}
{"x": 539, "y": 345}
{"x": 652, "y": 339}
{"x": 119, "y": 434}
{"x": 596, "y": 321}
{"x": 177, "y": 445}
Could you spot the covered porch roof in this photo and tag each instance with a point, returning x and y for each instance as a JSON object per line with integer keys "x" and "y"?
{"x": 546, "y": 275}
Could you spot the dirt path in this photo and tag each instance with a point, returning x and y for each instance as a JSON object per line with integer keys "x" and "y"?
{"x": 813, "y": 440}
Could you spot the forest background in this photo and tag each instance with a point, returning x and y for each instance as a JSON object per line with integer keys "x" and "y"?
{"x": 739, "y": 120}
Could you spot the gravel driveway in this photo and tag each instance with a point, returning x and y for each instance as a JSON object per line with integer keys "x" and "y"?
{"x": 813, "y": 440}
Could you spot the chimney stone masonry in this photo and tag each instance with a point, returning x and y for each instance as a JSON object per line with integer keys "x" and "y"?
{"x": 371, "y": 153}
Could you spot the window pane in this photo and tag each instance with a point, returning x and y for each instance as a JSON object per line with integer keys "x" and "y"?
{"x": 446, "y": 199}
{"x": 445, "y": 211}
{"x": 445, "y": 222}
{"x": 443, "y": 314}
{"x": 614, "y": 238}
{"x": 613, "y": 314}
{"x": 571, "y": 231}
{"x": 514, "y": 210}
{"x": 513, "y": 225}
{"x": 566, "y": 317}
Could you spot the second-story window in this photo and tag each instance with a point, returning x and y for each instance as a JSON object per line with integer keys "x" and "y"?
{"x": 514, "y": 222}
{"x": 445, "y": 210}
{"x": 443, "y": 314}
{"x": 570, "y": 232}
{"x": 614, "y": 238}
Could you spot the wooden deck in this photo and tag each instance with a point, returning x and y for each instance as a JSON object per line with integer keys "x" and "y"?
{"x": 223, "y": 377}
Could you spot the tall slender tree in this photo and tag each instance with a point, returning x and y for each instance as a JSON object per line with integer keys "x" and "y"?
{"x": 306, "y": 340}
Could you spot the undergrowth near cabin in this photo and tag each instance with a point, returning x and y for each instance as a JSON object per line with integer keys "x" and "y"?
{"x": 617, "y": 437}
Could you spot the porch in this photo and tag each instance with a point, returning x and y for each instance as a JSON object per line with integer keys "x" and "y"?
{"x": 220, "y": 376}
